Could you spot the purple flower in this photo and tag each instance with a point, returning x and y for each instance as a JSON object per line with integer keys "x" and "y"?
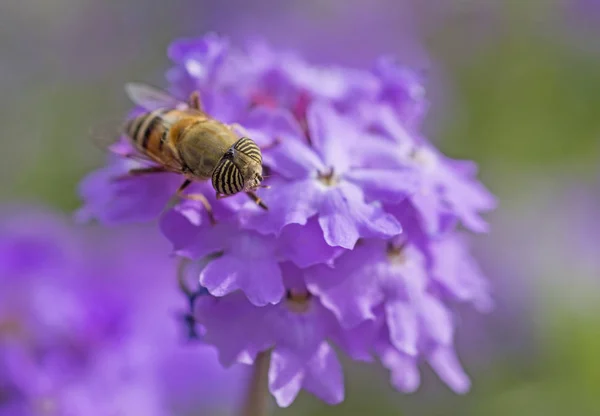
{"x": 584, "y": 13}
{"x": 88, "y": 325}
{"x": 370, "y": 29}
{"x": 325, "y": 180}
{"x": 298, "y": 330}
{"x": 410, "y": 296}
{"x": 358, "y": 249}
{"x": 119, "y": 202}
{"x": 242, "y": 260}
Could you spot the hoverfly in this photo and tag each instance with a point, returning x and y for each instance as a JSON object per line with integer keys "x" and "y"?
{"x": 182, "y": 138}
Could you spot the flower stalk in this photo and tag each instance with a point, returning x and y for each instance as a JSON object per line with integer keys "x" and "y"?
{"x": 256, "y": 402}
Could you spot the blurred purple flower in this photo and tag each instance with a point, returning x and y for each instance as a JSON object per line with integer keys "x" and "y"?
{"x": 323, "y": 31}
{"x": 588, "y": 10}
{"x": 575, "y": 24}
{"x": 88, "y": 325}
{"x": 358, "y": 248}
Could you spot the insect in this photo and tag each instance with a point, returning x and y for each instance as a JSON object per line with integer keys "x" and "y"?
{"x": 182, "y": 138}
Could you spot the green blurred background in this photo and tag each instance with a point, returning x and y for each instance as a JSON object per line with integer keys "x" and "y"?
{"x": 515, "y": 86}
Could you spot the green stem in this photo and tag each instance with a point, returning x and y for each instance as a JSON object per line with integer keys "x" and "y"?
{"x": 257, "y": 398}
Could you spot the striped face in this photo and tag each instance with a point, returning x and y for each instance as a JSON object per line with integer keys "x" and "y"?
{"x": 240, "y": 168}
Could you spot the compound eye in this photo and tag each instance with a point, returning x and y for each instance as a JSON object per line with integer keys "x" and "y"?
{"x": 227, "y": 178}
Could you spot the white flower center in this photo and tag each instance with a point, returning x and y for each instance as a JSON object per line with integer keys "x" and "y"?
{"x": 425, "y": 158}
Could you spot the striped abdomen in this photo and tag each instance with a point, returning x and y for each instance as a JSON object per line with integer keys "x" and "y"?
{"x": 148, "y": 132}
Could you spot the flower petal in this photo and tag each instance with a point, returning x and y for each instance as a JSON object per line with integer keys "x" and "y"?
{"x": 403, "y": 326}
{"x": 345, "y": 217}
{"x": 444, "y": 362}
{"x": 436, "y": 319}
{"x": 182, "y": 226}
{"x": 429, "y": 207}
{"x": 286, "y": 376}
{"x": 225, "y": 106}
{"x": 467, "y": 198}
{"x": 324, "y": 377}
{"x": 265, "y": 125}
{"x": 338, "y": 287}
{"x": 200, "y": 57}
{"x": 187, "y": 228}
{"x": 293, "y": 159}
{"x": 284, "y": 368}
{"x": 259, "y": 279}
{"x": 385, "y": 185}
{"x": 332, "y": 135}
{"x": 405, "y": 374}
{"x": 131, "y": 199}
{"x": 288, "y": 202}
{"x": 459, "y": 274}
{"x": 300, "y": 333}
{"x": 230, "y": 324}
{"x": 305, "y": 246}
{"x": 358, "y": 342}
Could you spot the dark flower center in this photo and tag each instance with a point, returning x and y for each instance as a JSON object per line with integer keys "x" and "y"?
{"x": 46, "y": 405}
{"x": 298, "y": 300}
{"x": 396, "y": 253}
{"x": 11, "y": 327}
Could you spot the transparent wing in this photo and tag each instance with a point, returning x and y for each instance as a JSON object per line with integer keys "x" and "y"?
{"x": 151, "y": 98}
{"x": 106, "y": 137}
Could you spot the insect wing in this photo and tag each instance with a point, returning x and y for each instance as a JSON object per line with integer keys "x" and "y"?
{"x": 151, "y": 98}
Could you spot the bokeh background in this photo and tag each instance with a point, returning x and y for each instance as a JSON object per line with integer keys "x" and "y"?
{"x": 514, "y": 85}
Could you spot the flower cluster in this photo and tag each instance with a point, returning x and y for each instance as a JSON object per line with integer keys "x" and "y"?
{"x": 359, "y": 247}
{"x": 88, "y": 326}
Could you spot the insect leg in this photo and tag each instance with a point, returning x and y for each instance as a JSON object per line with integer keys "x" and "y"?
{"x": 141, "y": 171}
{"x": 149, "y": 169}
{"x": 197, "y": 197}
{"x": 194, "y": 101}
{"x": 250, "y": 194}
{"x": 184, "y": 185}
{"x": 258, "y": 201}
{"x": 223, "y": 196}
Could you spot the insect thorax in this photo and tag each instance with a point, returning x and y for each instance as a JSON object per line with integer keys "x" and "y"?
{"x": 203, "y": 145}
